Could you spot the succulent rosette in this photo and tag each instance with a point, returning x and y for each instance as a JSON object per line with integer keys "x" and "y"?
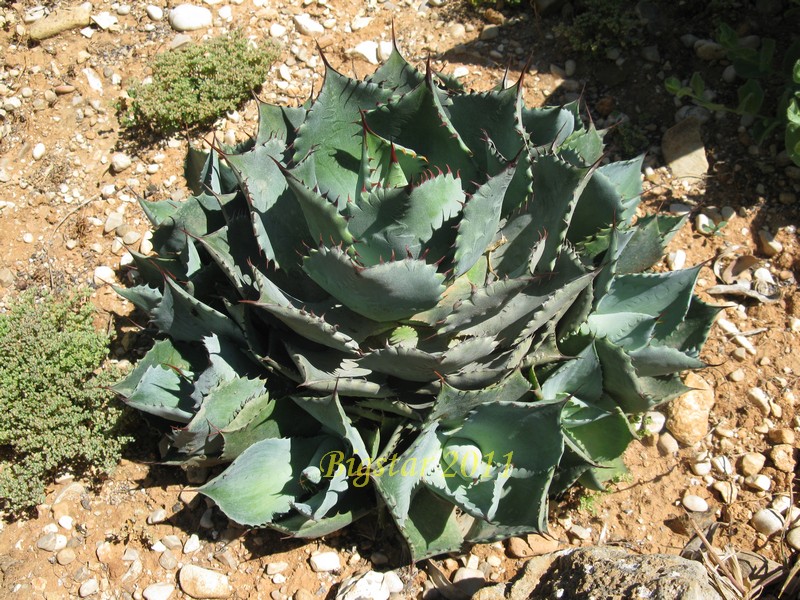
{"x": 410, "y": 297}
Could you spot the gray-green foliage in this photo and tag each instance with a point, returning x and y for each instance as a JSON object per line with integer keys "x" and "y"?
{"x": 194, "y": 85}
{"x": 56, "y": 411}
{"x": 444, "y": 290}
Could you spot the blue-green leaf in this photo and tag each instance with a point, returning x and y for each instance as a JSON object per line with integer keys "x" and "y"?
{"x": 387, "y": 292}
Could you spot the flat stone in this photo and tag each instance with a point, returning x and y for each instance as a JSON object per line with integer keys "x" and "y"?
{"x": 325, "y": 562}
{"x": 276, "y": 567}
{"x": 580, "y": 532}
{"x": 60, "y": 20}
{"x": 120, "y": 161}
{"x": 687, "y": 418}
{"x": 676, "y": 260}
{"x": 130, "y": 555}
{"x": 722, "y": 465}
{"x": 104, "y": 20}
{"x": 113, "y": 221}
{"x": 782, "y": 456}
{"x": 307, "y": 26}
{"x": 179, "y": 41}
{"x": 34, "y": 14}
{"x": 393, "y": 582}
{"x": 207, "y": 519}
{"x": 793, "y": 538}
{"x": 360, "y": 23}
{"x": 540, "y": 544}
{"x": 198, "y": 582}
{"x": 104, "y": 275}
{"x": 654, "y": 421}
{"x": 227, "y": 558}
{"x": 367, "y": 585}
{"x": 759, "y": 397}
{"x": 684, "y": 152}
{"x": 188, "y": 17}
{"x": 105, "y": 552}
{"x": 752, "y": 463}
{"x": 168, "y": 561}
{"x": 694, "y": 503}
{"x": 65, "y": 556}
{"x": 518, "y": 548}
{"x": 489, "y": 32}
{"x": 768, "y": 244}
{"x": 737, "y": 375}
{"x": 781, "y": 504}
{"x": 173, "y": 542}
{"x": 192, "y": 544}
{"x": 767, "y": 521}
{"x": 133, "y": 573}
{"x": 667, "y": 445}
{"x": 158, "y": 591}
{"x": 89, "y": 588}
{"x": 155, "y": 13}
{"x": 52, "y": 542}
{"x": 367, "y": 50}
{"x": 783, "y": 435}
{"x": 727, "y": 491}
{"x": 469, "y": 580}
{"x": 7, "y": 277}
{"x": 758, "y": 482}
{"x": 159, "y": 515}
{"x": 620, "y": 574}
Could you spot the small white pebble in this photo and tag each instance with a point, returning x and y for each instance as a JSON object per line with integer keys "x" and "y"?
{"x": 676, "y": 260}
{"x": 758, "y": 397}
{"x": 758, "y": 482}
{"x": 694, "y": 503}
{"x": 654, "y": 421}
{"x": 767, "y": 521}
{"x": 325, "y": 561}
{"x": 38, "y": 151}
{"x": 192, "y": 544}
{"x": 781, "y": 504}
{"x": 722, "y": 465}
{"x": 793, "y": 538}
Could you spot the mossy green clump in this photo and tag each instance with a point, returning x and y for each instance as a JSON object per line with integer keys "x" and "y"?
{"x": 198, "y": 84}
{"x": 599, "y": 25}
{"x": 56, "y": 410}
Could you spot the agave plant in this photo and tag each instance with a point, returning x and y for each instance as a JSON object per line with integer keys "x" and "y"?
{"x": 406, "y": 297}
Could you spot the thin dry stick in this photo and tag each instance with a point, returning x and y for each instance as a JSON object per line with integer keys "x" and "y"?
{"x": 715, "y": 557}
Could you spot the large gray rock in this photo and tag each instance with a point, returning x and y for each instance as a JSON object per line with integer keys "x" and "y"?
{"x": 606, "y": 572}
{"x": 682, "y": 146}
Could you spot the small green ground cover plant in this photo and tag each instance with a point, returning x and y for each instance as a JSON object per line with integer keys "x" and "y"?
{"x": 769, "y": 93}
{"x": 410, "y": 299}
{"x": 599, "y": 25}
{"x": 57, "y": 413}
{"x": 195, "y": 85}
